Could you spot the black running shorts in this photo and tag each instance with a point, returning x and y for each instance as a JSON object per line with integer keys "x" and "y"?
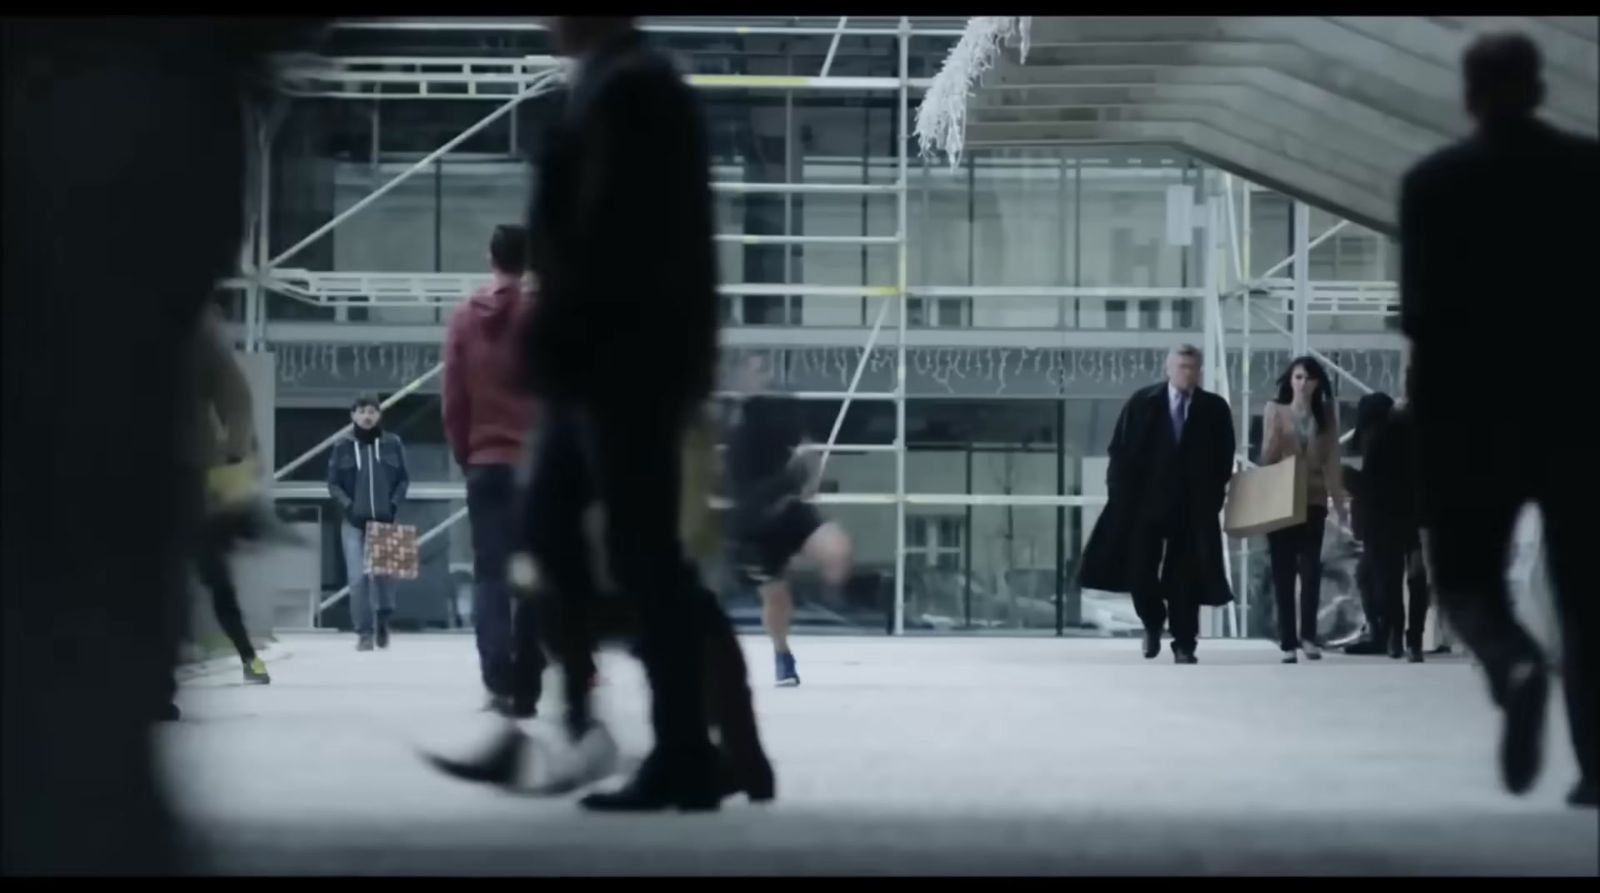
{"x": 763, "y": 548}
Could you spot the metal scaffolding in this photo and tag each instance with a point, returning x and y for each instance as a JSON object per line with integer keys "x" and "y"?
{"x": 513, "y": 81}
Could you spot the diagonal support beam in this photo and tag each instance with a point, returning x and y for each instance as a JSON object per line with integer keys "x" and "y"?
{"x": 833, "y": 47}
{"x": 855, "y": 382}
{"x": 542, "y": 84}
{"x": 333, "y": 438}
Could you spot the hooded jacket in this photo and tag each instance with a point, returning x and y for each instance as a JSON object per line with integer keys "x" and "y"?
{"x": 367, "y": 476}
{"x": 486, "y": 412}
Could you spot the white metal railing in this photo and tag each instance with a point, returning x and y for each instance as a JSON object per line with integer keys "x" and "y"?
{"x": 527, "y": 24}
{"x": 499, "y": 78}
{"x": 443, "y": 491}
{"x": 1338, "y": 298}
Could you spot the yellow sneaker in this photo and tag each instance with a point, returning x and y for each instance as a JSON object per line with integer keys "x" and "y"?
{"x": 255, "y": 672}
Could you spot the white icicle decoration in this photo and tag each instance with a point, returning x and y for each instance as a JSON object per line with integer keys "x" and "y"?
{"x": 942, "y": 116}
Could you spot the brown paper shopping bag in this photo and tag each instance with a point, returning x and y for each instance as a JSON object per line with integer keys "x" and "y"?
{"x": 392, "y": 550}
{"x": 1261, "y": 500}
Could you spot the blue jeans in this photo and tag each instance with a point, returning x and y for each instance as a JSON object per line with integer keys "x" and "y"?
{"x": 363, "y": 587}
{"x": 490, "y": 509}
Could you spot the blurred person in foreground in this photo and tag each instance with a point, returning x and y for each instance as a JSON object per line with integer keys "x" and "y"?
{"x": 1483, "y": 222}
{"x": 770, "y": 477}
{"x": 1160, "y": 535}
{"x": 235, "y": 513}
{"x": 98, "y": 396}
{"x": 368, "y": 479}
{"x": 487, "y": 419}
{"x": 621, "y": 350}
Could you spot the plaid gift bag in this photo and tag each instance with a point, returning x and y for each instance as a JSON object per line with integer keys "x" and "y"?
{"x": 392, "y": 550}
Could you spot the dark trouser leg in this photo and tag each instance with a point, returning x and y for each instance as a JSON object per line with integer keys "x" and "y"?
{"x": 1282, "y": 548}
{"x": 1388, "y": 579}
{"x": 527, "y": 652}
{"x": 634, "y": 449}
{"x": 212, "y": 566}
{"x": 1308, "y": 561}
{"x": 1469, "y": 549}
{"x": 558, "y": 493}
{"x": 727, "y": 691}
{"x": 1178, "y": 579}
{"x": 1148, "y": 600}
{"x": 489, "y": 510}
{"x": 1372, "y": 598}
{"x": 1570, "y": 576}
{"x": 1421, "y": 597}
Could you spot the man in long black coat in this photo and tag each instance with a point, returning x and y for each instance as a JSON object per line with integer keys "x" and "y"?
{"x": 1495, "y": 219}
{"x": 1160, "y": 536}
{"x": 621, "y": 348}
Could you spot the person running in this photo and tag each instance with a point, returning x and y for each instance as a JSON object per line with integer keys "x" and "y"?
{"x": 232, "y": 483}
{"x": 770, "y": 476}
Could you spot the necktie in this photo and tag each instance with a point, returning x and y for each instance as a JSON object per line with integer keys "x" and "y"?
{"x": 1178, "y": 408}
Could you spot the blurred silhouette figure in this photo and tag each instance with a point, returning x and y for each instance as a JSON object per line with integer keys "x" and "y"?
{"x": 1303, "y": 421}
{"x": 1384, "y": 516}
{"x": 123, "y": 186}
{"x": 235, "y": 511}
{"x": 770, "y": 479}
{"x": 621, "y": 348}
{"x": 1160, "y": 536}
{"x": 1485, "y": 223}
{"x": 487, "y": 418}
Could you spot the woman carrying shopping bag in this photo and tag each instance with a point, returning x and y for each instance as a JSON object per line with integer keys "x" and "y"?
{"x": 1303, "y": 422}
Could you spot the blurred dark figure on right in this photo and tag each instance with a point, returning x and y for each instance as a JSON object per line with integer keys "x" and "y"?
{"x": 621, "y": 351}
{"x": 1490, "y": 226}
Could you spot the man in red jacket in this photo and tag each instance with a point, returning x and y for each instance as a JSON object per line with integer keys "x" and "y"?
{"x": 487, "y": 416}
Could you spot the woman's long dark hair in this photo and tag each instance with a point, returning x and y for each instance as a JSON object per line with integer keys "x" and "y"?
{"x": 1319, "y": 399}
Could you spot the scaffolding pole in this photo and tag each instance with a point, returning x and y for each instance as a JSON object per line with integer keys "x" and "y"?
{"x": 1299, "y": 336}
{"x": 902, "y": 134}
{"x": 833, "y": 46}
{"x": 855, "y": 382}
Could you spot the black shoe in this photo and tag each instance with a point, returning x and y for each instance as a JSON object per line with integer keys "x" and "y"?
{"x": 1152, "y": 644}
{"x": 1182, "y": 655}
{"x": 1583, "y": 794}
{"x": 499, "y": 765}
{"x": 1522, "y": 742}
{"x": 1364, "y": 648}
{"x": 382, "y": 637}
{"x": 689, "y": 783}
{"x": 1414, "y": 654}
{"x": 754, "y": 778}
{"x": 1397, "y": 645}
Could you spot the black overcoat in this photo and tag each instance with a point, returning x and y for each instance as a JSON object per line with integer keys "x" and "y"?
{"x": 1138, "y": 482}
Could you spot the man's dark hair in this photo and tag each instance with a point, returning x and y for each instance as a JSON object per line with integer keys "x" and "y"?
{"x": 366, "y": 400}
{"x": 1502, "y": 76}
{"x": 508, "y": 248}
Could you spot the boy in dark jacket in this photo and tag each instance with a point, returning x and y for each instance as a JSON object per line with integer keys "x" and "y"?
{"x": 367, "y": 477}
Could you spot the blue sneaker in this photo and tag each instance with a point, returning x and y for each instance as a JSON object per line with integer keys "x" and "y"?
{"x": 788, "y": 675}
